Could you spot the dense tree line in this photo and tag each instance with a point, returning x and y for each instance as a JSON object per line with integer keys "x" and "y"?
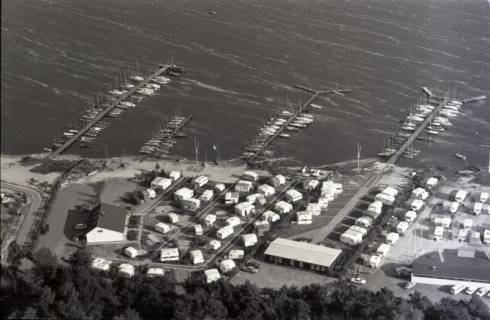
{"x": 76, "y": 292}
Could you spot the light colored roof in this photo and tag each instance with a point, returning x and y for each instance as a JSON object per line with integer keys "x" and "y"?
{"x": 303, "y": 251}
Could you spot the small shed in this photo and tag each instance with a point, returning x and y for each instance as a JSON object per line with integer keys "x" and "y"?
{"x": 262, "y": 227}
{"x": 219, "y": 187}
{"x": 416, "y": 204}
{"x": 155, "y": 272}
{"x": 402, "y": 227}
{"x": 293, "y": 195}
{"x": 207, "y": 195}
{"x": 477, "y": 208}
{"x": 169, "y": 254}
{"x": 200, "y": 181}
{"x": 310, "y": 185}
{"x": 131, "y": 252}
{"x": 233, "y": 221}
{"x": 283, "y": 207}
{"x": 460, "y": 195}
{"x": 278, "y": 180}
{"x": 183, "y": 194}
{"x": 249, "y": 239}
{"x": 236, "y": 254}
{"x": 314, "y": 209}
{"x": 392, "y": 238}
{"x": 420, "y": 193}
{"x": 250, "y": 175}
{"x": 304, "y": 217}
{"x": 483, "y": 197}
{"x": 374, "y": 261}
{"x": 162, "y": 227}
{"x": 364, "y": 222}
{"x": 191, "y": 204}
{"x": 383, "y": 249}
{"x": 160, "y": 183}
{"x": 198, "y": 229}
{"x": 209, "y": 220}
{"x": 227, "y": 265}
{"x": 270, "y": 216}
{"x": 245, "y": 209}
{"x": 214, "y": 244}
{"x": 438, "y": 233}
{"x": 172, "y": 217}
{"x": 231, "y": 198}
{"x": 211, "y": 275}
{"x": 410, "y": 216}
{"x": 467, "y": 224}
{"x": 243, "y": 186}
{"x": 266, "y": 190}
{"x": 174, "y": 175}
{"x": 432, "y": 182}
{"x": 126, "y": 270}
{"x": 196, "y": 256}
{"x": 224, "y": 232}
{"x": 385, "y": 199}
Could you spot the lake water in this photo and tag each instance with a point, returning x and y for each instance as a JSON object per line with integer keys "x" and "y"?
{"x": 241, "y": 62}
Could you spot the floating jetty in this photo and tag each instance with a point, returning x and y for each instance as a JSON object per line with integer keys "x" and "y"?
{"x": 162, "y": 140}
{"x": 112, "y": 108}
{"x": 289, "y": 122}
{"x": 430, "y": 114}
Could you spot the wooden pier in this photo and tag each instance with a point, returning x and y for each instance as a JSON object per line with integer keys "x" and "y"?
{"x": 394, "y": 158}
{"x": 89, "y": 125}
{"x": 315, "y": 94}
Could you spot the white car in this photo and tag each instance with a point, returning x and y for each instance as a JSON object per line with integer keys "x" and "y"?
{"x": 481, "y": 292}
{"x": 358, "y": 280}
{"x": 409, "y": 285}
{"x": 470, "y": 290}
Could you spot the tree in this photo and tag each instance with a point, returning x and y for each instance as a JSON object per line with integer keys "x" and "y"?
{"x": 81, "y": 257}
{"x": 128, "y": 314}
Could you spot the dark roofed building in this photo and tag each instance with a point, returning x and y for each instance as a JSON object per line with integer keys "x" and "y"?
{"x": 108, "y": 224}
{"x": 451, "y": 267}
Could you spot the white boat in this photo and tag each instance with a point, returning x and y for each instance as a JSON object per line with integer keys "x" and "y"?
{"x": 127, "y": 86}
{"x": 431, "y": 131}
{"x": 286, "y": 113}
{"x": 137, "y": 78}
{"x": 145, "y": 92}
{"x": 316, "y": 106}
{"x": 127, "y": 104}
{"x": 460, "y": 156}
{"x": 152, "y": 86}
{"x": 117, "y": 92}
{"x": 408, "y": 128}
{"x": 161, "y": 80}
{"x": 307, "y": 115}
{"x": 68, "y": 134}
{"x": 284, "y": 135}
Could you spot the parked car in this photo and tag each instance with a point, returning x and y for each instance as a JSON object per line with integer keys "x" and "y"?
{"x": 80, "y": 226}
{"x": 254, "y": 264}
{"x": 470, "y": 290}
{"x": 409, "y": 285}
{"x": 358, "y": 280}
{"x": 249, "y": 269}
{"x": 481, "y": 292}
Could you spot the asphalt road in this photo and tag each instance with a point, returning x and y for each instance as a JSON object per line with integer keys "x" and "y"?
{"x": 36, "y": 200}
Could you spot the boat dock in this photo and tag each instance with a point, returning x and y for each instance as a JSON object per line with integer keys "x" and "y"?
{"x": 439, "y": 103}
{"x": 302, "y": 108}
{"x": 394, "y": 158}
{"x": 161, "y": 142}
{"x": 162, "y": 69}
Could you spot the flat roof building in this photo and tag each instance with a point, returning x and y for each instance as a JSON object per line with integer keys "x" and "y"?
{"x": 108, "y": 225}
{"x": 451, "y": 267}
{"x": 301, "y": 254}
{"x": 212, "y": 275}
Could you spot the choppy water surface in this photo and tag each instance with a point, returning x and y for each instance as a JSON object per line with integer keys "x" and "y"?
{"x": 56, "y": 55}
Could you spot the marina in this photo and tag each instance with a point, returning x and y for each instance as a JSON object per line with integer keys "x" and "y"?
{"x": 119, "y": 102}
{"x": 431, "y": 116}
{"x": 163, "y": 139}
{"x": 285, "y": 120}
